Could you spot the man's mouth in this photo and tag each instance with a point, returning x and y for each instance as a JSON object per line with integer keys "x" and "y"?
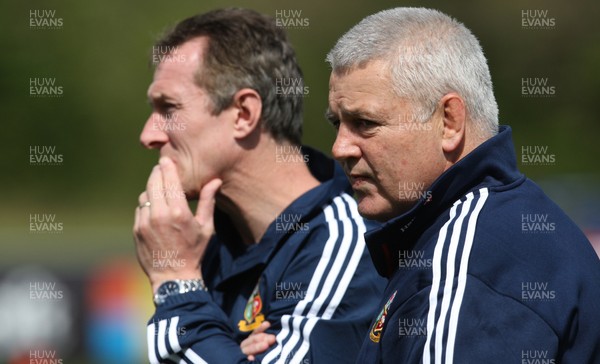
{"x": 358, "y": 180}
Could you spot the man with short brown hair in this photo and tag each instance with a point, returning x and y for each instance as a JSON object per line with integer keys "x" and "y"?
{"x": 288, "y": 247}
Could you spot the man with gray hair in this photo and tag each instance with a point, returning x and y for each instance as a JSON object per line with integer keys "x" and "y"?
{"x": 482, "y": 266}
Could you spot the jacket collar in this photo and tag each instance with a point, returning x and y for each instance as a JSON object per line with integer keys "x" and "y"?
{"x": 243, "y": 257}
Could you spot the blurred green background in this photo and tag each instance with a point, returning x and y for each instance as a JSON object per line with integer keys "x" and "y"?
{"x": 100, "y": 58}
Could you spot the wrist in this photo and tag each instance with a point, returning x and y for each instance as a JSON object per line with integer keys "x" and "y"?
{"x": 156, "y": 282}
{"x": 177, "y": 287}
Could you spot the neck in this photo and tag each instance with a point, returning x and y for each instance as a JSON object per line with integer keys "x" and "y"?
{"x": 467, "y": 145}
{"x": 261, "y": 186}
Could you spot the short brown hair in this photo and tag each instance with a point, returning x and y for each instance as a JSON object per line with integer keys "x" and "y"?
{"x": 245, "y": 50}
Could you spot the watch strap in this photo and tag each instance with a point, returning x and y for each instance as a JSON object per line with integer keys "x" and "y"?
{"x": 176, "y": 287}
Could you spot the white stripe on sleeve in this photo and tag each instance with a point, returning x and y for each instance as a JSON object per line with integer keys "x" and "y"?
{"x": 173, "y": 337}
{"x": 292, "y": 325}
{"x": 435, "y": 283}
{"x": 449, "y": 281}
{"x": 462, "y": 275}
{"x": 151, "y": 329}
{"x": 161, "y": 339}
{"x": 193, "y": 357}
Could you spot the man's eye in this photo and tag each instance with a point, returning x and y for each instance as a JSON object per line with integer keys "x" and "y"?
{"x": 365, "y": 124}
{"x": 167, "y": 111}
{"x": 335, "y": 123}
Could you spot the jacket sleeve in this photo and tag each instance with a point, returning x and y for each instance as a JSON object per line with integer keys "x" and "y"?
{"x": 192, "y": 328}
{"x": 340, "y": 289}
{"x": 495, "y": 328}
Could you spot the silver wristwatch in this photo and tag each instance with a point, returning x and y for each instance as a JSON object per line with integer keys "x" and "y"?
{"x": 177, "y": 286}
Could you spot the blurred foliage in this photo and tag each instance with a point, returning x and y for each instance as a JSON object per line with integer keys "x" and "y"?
{"x": 100, "y": 57}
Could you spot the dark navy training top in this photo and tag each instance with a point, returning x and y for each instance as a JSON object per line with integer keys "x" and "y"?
{"x": 485, "y": 269}
{"x": 310, "y": 276}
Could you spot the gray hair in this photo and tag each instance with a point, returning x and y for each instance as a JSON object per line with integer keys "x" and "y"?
{"x": 429, "y": 54}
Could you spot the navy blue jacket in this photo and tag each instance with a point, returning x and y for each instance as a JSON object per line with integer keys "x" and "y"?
{"x": 310, "y": 276}
{"x": 486, "y": 269}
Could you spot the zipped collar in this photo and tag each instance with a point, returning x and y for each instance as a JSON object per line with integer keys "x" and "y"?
{"x": 243, "y": 257}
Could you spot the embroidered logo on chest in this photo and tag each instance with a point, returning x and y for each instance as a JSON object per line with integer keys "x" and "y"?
{"x": 376, "y": 330}
{"x": 253, "y": 316}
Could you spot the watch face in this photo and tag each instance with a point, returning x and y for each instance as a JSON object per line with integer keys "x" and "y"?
{"x": 168, "y": 287}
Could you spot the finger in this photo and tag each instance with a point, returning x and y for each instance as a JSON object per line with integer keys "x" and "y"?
{"x": 257, "y": 343}
{"x": 206, "y": 202}
{"x": 251, "y": 358}
{"x": 262, "y": 328}
{"x": 173, "y": 191}
{"x": 142, "y": 213}
{"x": 245, "y": 345}
{"x": 249, "y": 343}
{"x": 143, "y": 197}
{"x": 136, "y": 220}
{"x": 248, "y": 346}
{"x": 155, "y": 189}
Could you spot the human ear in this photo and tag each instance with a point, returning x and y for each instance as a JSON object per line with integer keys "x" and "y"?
{"x": 454, "y": 118}
{"x": 248, "y": 108}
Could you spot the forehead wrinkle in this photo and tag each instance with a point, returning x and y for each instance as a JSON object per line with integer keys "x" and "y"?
{"x": 360, "y": 109}
{"x": 162, "y": 91}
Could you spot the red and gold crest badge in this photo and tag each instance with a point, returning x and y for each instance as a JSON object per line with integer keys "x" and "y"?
{"x": 253, "y": 316}
{"x": 377, "y": 328}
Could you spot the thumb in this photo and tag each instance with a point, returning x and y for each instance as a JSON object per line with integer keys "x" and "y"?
{"x": 206, "y": 202}
{"x": 262, "y": 328}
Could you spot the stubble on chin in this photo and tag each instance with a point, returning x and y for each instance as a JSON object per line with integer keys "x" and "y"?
{"x": 368, "y": 208}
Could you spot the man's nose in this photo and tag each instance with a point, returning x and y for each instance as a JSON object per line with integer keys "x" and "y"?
{"x": 153, "y": 136}
{"x": 344, "y": 146}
